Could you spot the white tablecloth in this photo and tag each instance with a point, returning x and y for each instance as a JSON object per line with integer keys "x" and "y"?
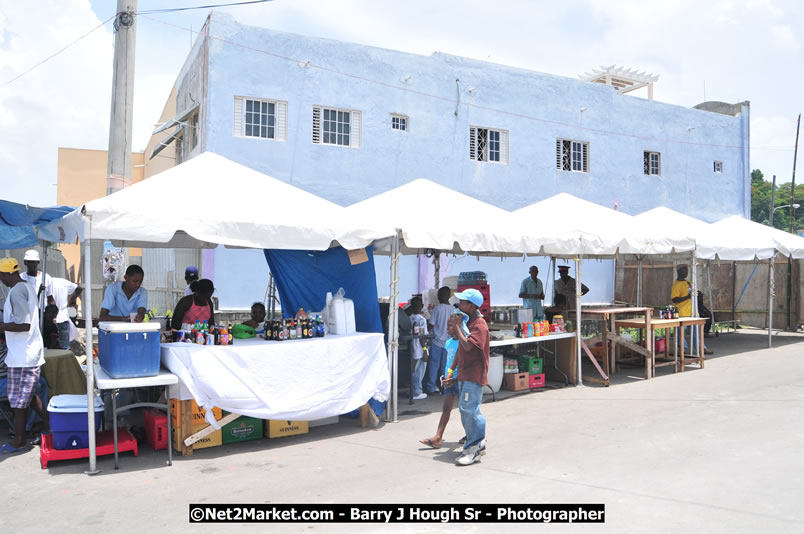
{"x": 298, "y": 380}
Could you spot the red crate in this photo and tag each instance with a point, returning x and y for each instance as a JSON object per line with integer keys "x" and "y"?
{"x": 536, "y": 381}
{"x": 485, "y": 290}
{"x": 156, "y": 433}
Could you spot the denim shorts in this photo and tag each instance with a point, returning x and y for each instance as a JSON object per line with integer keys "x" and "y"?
{"x": 452, "y": 390}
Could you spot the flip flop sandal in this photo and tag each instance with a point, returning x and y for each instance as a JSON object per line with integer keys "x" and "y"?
{"x": 430, "y": 443}
{"x": 7, "y": 449}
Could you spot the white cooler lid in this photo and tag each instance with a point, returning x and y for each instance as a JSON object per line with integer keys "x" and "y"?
{"x": 127, "y": 328}
{"x": 72, "y": 403}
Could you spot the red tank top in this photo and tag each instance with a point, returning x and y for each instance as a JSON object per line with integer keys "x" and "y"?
{"x": 197, "y": 313}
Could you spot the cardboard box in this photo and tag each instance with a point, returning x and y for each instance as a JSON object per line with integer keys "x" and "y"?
{"x": 242, "y": 429}
{"x": 280, "y": 429}
{"x": 536, "y": 381}
{"x": 212, "y": 440}
{"x": 530, "y": 364}
{"x": 198, "y": 415}
{"x": 515, "y": 382}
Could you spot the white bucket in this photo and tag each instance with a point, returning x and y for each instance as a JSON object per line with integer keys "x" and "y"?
{"x": 496, "y": 368}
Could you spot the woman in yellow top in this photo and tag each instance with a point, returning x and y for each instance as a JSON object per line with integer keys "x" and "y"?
{"x": 681, "y": 294}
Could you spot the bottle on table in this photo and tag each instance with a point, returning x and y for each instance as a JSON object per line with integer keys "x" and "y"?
{"x": 230, "y": 339}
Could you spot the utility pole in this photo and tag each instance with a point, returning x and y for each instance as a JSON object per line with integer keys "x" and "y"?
{"x": 793, "y": 189}
{"x": 773, "y": 201}
{"x": 118, "y": 172}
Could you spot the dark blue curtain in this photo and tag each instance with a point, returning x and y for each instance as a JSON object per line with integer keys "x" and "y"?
{"x": 303, "y": 278}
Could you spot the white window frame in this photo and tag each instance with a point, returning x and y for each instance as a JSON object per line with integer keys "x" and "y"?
{"x": 399, "y": 122}
{"x": 322, "y": 117}
{"x": 280, "y": 118}
{"x": 652, "y": 163}
{"x": 717, "y": 167}
{"x": 572, "y": 155}
{"x": 488, "y": 145}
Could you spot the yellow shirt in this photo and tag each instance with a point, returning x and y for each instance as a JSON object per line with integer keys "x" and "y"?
{"x": 681, "y": 288}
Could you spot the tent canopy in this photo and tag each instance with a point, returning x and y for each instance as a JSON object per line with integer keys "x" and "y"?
{"x": 784, "y": 243}
{"x": 431, "y": 216}
{"x": 210, "y": 200}
{"x": 17, "y": 222}
{"x": 596, "y": 230}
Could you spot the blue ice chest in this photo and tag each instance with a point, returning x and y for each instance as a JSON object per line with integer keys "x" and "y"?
{"x": 129, "y": 350}
{"x": 68, "y": 420}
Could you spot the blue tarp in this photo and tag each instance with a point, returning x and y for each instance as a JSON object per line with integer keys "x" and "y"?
{"x": 17, "y": 222}
{"x": 304, "y": 277}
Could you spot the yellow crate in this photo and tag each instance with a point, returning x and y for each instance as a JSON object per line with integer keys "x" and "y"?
{"x": 198, "y": 415}
{"x": 280, "y": 429}
{"x": 211, "y": 440}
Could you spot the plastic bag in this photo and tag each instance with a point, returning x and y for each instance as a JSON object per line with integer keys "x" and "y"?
{"x": 243, "y": 331}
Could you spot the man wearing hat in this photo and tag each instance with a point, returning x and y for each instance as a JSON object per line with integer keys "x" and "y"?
{"x": 565, "y": 285}
{"x": 190, "y": 276}
{"x": 473, "y": 366}
{"x": 35, "y": 277}
{"x": 25, "y": 351}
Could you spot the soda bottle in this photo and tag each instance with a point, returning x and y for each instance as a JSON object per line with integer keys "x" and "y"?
{"x": 298, "y": 324}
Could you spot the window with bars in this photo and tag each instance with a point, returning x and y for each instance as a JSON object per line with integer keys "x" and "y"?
{"x": 399, "y": 122}
{"x": 652, "y": 163}
{"x": 718, "y": 166}
{"x": 486, "y": 144}
{"x": 572, "y": 155}
{"x": 260, "y": 119}
{"x": 339, "y": 127}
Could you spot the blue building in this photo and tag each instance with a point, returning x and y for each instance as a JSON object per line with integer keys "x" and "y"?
{"x": 347, "y": 121}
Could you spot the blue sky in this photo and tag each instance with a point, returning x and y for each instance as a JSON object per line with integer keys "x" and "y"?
{"x": 720, "y": 50}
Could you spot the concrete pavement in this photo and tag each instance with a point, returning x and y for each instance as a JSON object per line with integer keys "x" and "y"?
{"x": 712, "y": 450}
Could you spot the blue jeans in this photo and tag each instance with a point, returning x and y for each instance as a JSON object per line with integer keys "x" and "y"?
{"x": 690, "y": 336}
{"x": 418, "y": 375}
{"x": 64, "y": 335}
{"x": 474, "y": 424}
{"x": 435, "y": 367}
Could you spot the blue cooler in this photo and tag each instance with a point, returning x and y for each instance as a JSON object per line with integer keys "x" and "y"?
{"x": 68, "y": 420}
{"x": 129, "y": 350}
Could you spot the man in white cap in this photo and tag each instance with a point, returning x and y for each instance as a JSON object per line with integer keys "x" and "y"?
{"x": 473, "y": 367}
{"x": 34, "y": 276}
{"x": 25, "y": 352}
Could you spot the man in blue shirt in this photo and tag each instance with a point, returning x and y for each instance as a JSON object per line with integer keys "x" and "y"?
{"x": 121, "y": 299}
{"x": 532, "y": 294}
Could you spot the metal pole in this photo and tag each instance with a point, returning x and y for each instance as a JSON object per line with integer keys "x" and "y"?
{"x": 793, "y": 185}
{"x": 43, "y": 296}
{"x": 772, "y": 201}
{"x": 87, "y": 302}
{"x": 578, "y": 286}
{"x": 391, "y": 414}
{"x": 639, "y": 281}
{"x": 118, "y": 174}
{"x": 694, "y": 302}
{"x": 437, "y": 269}
{"x": 771, "y": 291}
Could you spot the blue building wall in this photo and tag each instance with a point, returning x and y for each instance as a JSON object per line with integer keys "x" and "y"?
{"x": 535, "y": 109}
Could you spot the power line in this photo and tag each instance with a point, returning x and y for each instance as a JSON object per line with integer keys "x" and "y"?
{"x": 20, "y": 75}
{"x": 210, "y": 6}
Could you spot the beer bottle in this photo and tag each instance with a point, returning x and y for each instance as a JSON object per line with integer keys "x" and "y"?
{"x": 231, "y": 335}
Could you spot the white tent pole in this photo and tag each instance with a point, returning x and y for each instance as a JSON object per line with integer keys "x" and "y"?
{"x": 43, "y": 296}
{"x": 393, "y": 331}
{"x": 709, "y": 284}
{"x": 578, "y": 286}
{"x": 771, "y": 294}
{"x": 87, "y": 305}
{"x": 639, "y": 281}
{"x": 694, "y": 297}
{"x": 553, "y": 281}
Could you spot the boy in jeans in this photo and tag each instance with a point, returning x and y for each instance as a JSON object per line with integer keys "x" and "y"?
{"x": 417, "y": 347}
{"x": 438, "y": 326}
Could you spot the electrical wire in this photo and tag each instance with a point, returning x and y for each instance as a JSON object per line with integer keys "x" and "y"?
{"x": 20, "y": 75}
{"x": 210, "y": 6}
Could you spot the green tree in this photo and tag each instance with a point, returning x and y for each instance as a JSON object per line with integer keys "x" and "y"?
{"x": 760, "y": 203}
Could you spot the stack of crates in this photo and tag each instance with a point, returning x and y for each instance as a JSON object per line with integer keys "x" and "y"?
{"x": 485, "y": 290}
{"x": 198, "y": 417}
{"x": 534, "y": 367}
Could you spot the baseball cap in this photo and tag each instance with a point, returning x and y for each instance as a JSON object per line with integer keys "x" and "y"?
{"x": 472, "y": 295}
{"x": 31, "y": 255}
{"x": 192, "y": 269}
{"x": 9, "y": 265}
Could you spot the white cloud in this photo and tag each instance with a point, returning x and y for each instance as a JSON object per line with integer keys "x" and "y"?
{"x": 784, "y": 38}
{"x": 64, "y": 102}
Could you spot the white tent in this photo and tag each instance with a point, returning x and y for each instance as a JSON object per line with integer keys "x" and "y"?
{"x": 210, "y": 200}
{"x": 744, "y": 229}
{"x": 433, "y": 217}
{"x": 207, "y": 201}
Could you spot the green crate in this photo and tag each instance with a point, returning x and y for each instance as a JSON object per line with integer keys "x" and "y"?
{"x": 242, "y": 429}
{"x": 530, "y": 364}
